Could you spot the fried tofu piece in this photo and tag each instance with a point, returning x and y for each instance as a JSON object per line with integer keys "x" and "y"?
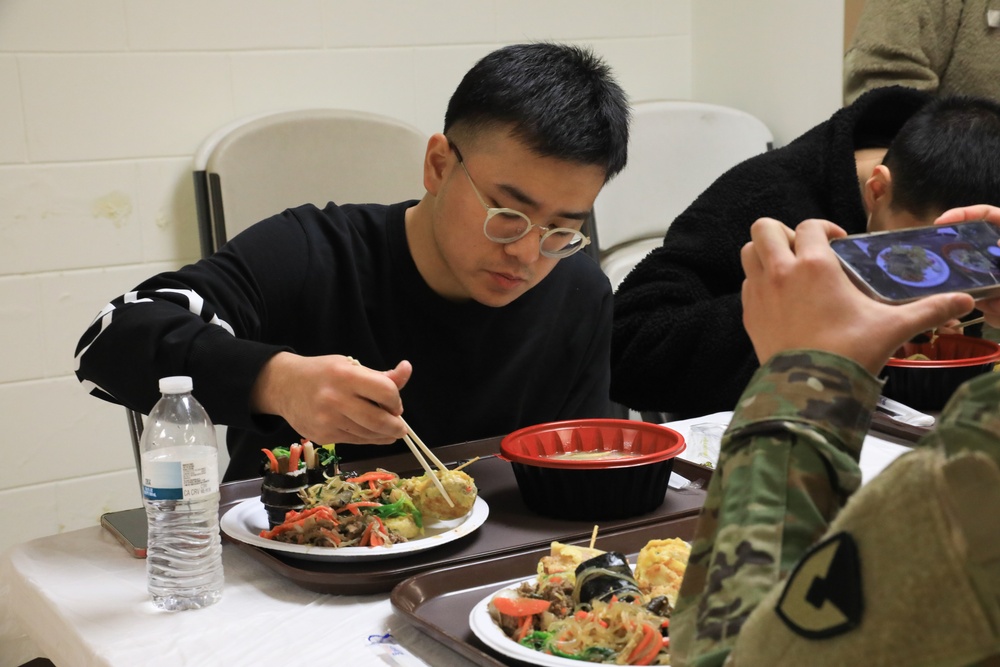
{"x": 404, "y": 526}
{"x": 562, "y": 561}
{"x": 461, "y": 489}
{"x": 660, "y": 567}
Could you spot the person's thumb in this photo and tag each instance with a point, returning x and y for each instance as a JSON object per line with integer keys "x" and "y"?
{"x": 934, "y": 311}
{"x": 400, "y": 375}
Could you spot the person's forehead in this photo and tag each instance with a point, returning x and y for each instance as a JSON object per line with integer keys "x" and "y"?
{"x": 489, "y": 138}
{"x": 510, "y": 149}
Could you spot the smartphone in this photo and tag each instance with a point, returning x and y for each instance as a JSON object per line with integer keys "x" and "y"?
{"x": 129, "y": 527}
{"x": 908, "y": 264}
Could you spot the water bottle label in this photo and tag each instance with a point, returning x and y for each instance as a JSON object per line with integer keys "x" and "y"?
{"x": 179, "y": 480}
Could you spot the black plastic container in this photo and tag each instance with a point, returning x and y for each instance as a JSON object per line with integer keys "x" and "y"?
{"x": 622, "y": 468}
{"x": 927, "y": 385}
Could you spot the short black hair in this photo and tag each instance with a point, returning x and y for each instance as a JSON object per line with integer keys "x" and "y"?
{"x": 560, "y": 100}
{"x": 946, "y": 155}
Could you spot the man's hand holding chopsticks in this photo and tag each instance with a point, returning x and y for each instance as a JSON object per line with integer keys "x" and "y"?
{"x": 332, "y": 398}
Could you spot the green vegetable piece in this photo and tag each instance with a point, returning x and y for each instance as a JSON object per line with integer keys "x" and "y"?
{"x": 542, "y": 641}
{"x": 327, "y": 454}
{"x": 536, "y": 640}
{"x": 401, "y": 507}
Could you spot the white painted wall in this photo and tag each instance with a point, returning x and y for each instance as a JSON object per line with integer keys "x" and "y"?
{"x": 103, "y": 103}
{"x": 780, "y": 60}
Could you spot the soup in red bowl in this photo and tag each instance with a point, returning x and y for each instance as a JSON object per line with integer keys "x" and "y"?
{"x": 592, "y": 469}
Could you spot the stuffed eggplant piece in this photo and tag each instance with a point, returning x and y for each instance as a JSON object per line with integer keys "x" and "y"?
{"x": 605, "y": 577}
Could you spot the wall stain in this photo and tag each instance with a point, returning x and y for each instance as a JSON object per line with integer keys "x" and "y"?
{"x": 115, "y": 206}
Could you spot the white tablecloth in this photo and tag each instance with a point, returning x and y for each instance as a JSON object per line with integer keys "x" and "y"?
{"x": 82, "y": 601}
{"x": 877, "y": 452}
{"x": 79, "y": 599}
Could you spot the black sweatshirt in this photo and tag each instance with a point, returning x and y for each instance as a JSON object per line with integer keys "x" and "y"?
{"x": 679, "y": 345}
{"x": 342, "y": 281}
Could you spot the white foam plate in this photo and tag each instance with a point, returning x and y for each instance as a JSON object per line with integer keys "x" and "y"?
{"x": 245, "y": 521}
{"x": 489, "y": 633}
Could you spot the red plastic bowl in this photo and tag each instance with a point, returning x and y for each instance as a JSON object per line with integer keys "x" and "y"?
{"x": 927, "y": 385}
{"x": 605, "y": 484}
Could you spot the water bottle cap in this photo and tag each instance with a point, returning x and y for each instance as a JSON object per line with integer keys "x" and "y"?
{"x": 176, "y": 384}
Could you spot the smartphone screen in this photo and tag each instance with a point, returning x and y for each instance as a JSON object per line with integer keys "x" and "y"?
{"x": 908, "y": 264}
{"x": 129, "y": 527}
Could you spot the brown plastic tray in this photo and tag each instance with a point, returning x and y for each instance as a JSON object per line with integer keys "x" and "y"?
{"x": 439, "y": 602}
{"x": 908, "y": 433}
{"x": 511, "y": 527}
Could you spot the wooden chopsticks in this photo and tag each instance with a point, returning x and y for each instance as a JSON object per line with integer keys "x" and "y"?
{"x": 417, "y": 445}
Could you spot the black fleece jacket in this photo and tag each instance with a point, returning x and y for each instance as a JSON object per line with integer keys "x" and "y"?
{"x": 678, "y": 342}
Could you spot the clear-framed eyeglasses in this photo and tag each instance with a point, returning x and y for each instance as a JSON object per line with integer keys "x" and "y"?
{"x": 505, "y": 225}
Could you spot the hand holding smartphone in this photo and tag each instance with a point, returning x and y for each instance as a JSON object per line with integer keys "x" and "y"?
{"x": 909, "y": 264}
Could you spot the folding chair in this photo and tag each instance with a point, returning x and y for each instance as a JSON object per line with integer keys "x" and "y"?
{"x": 676, "y": 150}
{"x": 259, "y": 166}
{"x": 256, "y": 167}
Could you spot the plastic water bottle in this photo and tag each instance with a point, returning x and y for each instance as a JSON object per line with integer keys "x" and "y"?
{"x": 180, "y": 488}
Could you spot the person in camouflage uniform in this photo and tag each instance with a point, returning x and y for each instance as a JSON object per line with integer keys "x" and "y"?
{"x": 789, "y": 566}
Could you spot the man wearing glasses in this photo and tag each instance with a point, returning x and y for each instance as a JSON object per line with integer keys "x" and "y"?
{"x": 471, "y": 307}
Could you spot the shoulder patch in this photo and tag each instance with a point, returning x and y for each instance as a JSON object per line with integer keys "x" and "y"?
{"x": 823, "y": 595}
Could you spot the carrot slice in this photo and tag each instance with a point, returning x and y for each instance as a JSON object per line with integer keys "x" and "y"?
{"x": 353, "y": 507}
{"x": 518, "y": 607}
{"x": 272, "y": 460}
{"x": 374, "y": 475}
{"x": 648, "y": 647}
{"x": 366, "y": 536}
{"x": 524, "y": 628}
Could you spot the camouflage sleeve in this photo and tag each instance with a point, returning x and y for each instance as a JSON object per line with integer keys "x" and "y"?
{"x": 789, "y": 462}
{"x": 970, "y": 420}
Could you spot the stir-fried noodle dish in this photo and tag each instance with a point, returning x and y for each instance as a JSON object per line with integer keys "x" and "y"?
{"x": 907, "y": 262}
{"x": 588, "y": 605}
{"x": 373, "y": 509}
